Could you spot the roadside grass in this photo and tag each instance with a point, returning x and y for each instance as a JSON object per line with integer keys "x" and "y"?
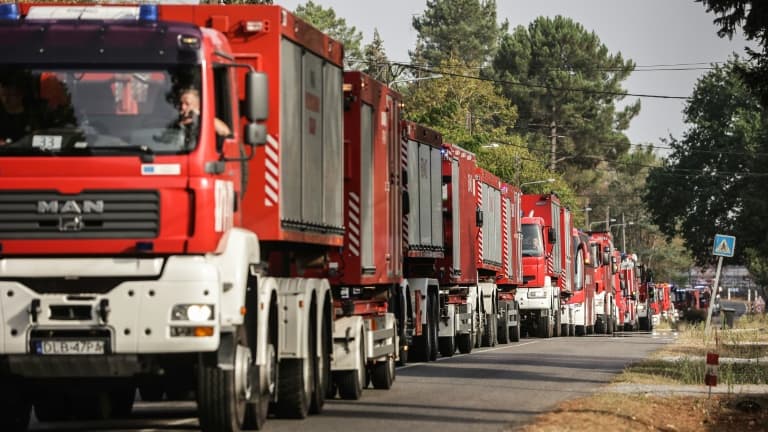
{"x": 681, "y": 362}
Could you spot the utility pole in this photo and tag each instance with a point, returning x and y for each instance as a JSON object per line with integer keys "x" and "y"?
{"x": 608, "y": 219}
{"x": 623, "y": 234}
{"x": 553, "y": 137}
{"x": 586, "y": 215}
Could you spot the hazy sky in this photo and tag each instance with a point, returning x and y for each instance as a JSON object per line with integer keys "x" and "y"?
{"x": 650, "y": 32}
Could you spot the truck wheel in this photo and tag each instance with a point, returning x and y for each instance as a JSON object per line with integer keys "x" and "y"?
{"x": 514, "y": 333}
{"x": 435, "y": 308}
{"x": 580, "y": 330}
{"x": 223, "y": 394}
{"x": 600, "y": 327}
{"x": 464, "y": 343}
{"x": 643, "y": 324}
{"x": 610, "y": 325}
{"x": 591, "y": 330}
{"x": 121, "y": 402}
{"x": 322, "y": 367}
{"x": 383, "y": 374}
{"x": 447, "y": 346}
{"x": 403, "y": 355}
{"x": 489, "y": 335}
{"x": 546, "y": 327}
{"x": 350, "y": 382}
{"x": 53, "y": 406}
{"x": 503, "y": 332}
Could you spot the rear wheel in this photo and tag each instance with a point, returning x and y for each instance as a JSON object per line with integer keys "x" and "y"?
{"x": 545, "y": 327}
{"x": 464, "y": 343}
{"x": 322, "y": 366}
{"x": 447, "y": 346}
{"x": 383, "y": 374}
{"x": 580, "y": 330}
{"x": 644, "y": 323}
{"x": 435, "y": 314}
{"x": 503, "y": 331}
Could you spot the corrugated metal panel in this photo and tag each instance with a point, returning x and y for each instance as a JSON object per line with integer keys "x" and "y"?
{"x": 436, "y": 197}
{"x": 312, "y": 191}
{"x": 290, "y": 132}
{"x": 557, "y": 255}
{"x": 366, "y": 187}
{"x": 333, "y": 149}
{"x": 508, "y": 229}
{"x": 414, "y": 234}
{"x": 425, "y": 196}
{"x": 456, "y": 214}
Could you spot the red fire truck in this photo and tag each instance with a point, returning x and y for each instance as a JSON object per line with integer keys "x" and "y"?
{"x": 605, "y": 304}
{"x": 546, "y": 231}
{"x": 144, "y": 250}
{"x": 628, "y": 284}
{"x": 582, "y": 300}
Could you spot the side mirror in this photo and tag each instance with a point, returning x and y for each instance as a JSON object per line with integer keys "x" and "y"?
{"x": 256, "y": 96}
{"x": 479, "y": 217}
{"x": 552, "y": 236}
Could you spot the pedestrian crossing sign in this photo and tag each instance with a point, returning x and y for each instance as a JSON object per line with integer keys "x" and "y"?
{"x": 724, "y": 245}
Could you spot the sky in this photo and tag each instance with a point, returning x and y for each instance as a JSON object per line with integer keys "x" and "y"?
{"x": 649, "y": 32}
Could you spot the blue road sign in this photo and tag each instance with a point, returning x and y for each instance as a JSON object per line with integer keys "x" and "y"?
{"x": 724, "y": 245}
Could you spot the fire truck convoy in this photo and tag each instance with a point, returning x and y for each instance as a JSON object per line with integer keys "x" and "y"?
{"x": 289, "y": 241}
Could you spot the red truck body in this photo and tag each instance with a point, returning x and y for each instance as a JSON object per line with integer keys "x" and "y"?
{"x": 582, "y": 299}
{"x": 547, "y": 276}
{"x": 605, "y": 303}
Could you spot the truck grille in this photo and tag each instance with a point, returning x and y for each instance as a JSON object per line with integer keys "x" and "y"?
{"x": 89, "y": 215}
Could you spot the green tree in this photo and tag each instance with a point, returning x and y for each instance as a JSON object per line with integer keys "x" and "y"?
{"x": 566, "y": 85}
{"x": 457, "y": 29}
{"x": 376, "y": 63}
{"x": 752, "y": 17}
{"x": 713, "y": 181}
{"x": 468, "y": 111}
{"x": 336, "y": 27}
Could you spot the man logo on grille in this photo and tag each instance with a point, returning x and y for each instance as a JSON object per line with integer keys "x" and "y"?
{"x": 70, "y": 206}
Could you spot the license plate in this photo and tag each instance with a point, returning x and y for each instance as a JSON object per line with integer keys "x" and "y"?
{"x": 70, "y": 346}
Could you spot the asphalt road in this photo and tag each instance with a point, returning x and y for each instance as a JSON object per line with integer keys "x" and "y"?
{"x": 483, "y": 391}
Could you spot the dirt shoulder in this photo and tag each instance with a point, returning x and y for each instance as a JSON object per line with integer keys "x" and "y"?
{"x": 666, "y": 393}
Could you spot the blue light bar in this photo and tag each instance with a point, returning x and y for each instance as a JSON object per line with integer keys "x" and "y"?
{"x": 9, "y": 11}
{"x": 148, "y": 12}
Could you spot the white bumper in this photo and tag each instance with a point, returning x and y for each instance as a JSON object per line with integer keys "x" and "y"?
{"x": 139, "y": 305}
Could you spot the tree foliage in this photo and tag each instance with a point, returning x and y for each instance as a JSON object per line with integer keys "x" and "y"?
{"x": 711, "y": 182}
{"x": 469, "y": 112}
{"x": 566, "y": 84}
{"x": 457, "y": 29}
{"x": 752, "y": 17}
{"x": 336, "y": 27}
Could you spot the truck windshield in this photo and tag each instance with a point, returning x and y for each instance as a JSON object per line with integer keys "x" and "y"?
{"x": 84, "y": 111}
{"x": 532, "y": 245}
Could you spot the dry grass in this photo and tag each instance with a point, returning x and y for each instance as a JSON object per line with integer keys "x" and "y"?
{"x": 635, "y": 412}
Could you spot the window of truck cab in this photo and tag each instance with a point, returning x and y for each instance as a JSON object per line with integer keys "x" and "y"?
{"x": 86, "y": 110}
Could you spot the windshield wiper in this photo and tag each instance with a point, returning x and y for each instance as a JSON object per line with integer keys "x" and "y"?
{"x": 146, "y": 154}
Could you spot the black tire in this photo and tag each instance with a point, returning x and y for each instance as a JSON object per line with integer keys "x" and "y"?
{"x": 514, "y": 333}
{"x": 502, "y": 331}
{"x": 222, "y": 406}
{"x": 557, "y": 329}
{"x": 15, "y": 409}
{"x": 403, "y": 355}
{"x": 600, "y": 326}
{"x": 383, "y": 374}
{"x": 52, "y": 407}
{"x": 591, "y": 330}
{"x": 322, "y": 366}
{"x": 464, "y": 343}
{"x": 580, "y": 330}
{"x": 572, "y": 330}
{"x": 545, "y": 328}
{"x": 610, "y": 325}
{"x": 447, "y": 345}
{"x": 644, "y": 321}
{"x": 435, "y": 309}
{"x": 295, "y": 386}
{"x": 489, "y": 333}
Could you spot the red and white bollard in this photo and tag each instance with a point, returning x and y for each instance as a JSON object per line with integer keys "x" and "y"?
{"x": 710, "y": 373}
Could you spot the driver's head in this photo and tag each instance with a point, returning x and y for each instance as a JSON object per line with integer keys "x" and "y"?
{"x": 189, "y": 102}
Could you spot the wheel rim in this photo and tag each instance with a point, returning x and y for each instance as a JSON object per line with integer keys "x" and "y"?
{"x": 243, "y": 387}
{"x": 270, "y": 374}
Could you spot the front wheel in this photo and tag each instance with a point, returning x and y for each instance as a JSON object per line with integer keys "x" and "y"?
{"x": 383, "y": 374}
{"x": 224, "y": 395}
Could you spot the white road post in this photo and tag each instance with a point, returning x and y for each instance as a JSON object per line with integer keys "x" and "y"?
{"x": 713, "y": 296}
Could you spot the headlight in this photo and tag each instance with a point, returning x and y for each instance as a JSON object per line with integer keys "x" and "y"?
{"x": 192, "y": 312}
{"x": 537, "y": 293}
{"x": 640, "y": 307}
